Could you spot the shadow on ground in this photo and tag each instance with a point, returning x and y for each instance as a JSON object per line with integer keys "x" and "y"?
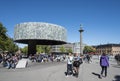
{"x": 96, "y": 74}
{"x": 117, "y": 78}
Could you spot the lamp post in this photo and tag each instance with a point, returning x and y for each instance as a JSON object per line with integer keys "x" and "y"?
{"x": 81, "y": 30}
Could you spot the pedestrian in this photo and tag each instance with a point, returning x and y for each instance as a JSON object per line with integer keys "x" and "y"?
{"x": 88, "y": 58}
{"x": 69, "y": 65}
{"x": 1, "y": 58}
{"x": 77, "y": 61}
{"x": 104, "y": 63}
{"x": 117, "y": 58}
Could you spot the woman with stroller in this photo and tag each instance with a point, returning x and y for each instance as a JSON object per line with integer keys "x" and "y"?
{"x": 77, "y": 60}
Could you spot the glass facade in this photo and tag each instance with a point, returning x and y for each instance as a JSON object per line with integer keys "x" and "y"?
{"x": 39, "y": 30}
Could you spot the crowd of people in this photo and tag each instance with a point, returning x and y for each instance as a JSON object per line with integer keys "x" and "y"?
{"x": 74, "y": 61}
{"x": 9, "y": 60}
{"x": 46, "y": 58}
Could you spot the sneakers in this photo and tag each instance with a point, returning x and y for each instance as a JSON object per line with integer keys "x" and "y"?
{"x": 68, "y": 75}
{"x": 102, "y": 76}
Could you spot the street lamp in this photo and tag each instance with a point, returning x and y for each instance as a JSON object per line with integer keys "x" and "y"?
{"x": 81, "y": 30}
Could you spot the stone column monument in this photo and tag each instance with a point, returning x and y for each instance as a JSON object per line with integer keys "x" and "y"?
{"x": 81, "y": 30}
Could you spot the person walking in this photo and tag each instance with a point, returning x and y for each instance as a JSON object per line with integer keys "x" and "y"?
{"x": 104, "y": 63}
{"x": 88, "y": 58}
{"x": 77, "y": 61}
{"x": 69, "y": 65}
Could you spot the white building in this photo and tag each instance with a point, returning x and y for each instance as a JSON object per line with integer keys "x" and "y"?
{"x": 74, "y": 46}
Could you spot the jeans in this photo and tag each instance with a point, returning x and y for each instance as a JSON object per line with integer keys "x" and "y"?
{"x": 69, "y": 69}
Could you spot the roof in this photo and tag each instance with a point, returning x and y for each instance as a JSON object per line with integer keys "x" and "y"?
{"x": 108, "y": 45}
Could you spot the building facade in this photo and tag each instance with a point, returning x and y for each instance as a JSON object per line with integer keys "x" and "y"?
{"x": 39, "y": 33}
{"x": 111, "y": 49}
{"x": 75, "y": 47}
{"x": 56, "y": 48}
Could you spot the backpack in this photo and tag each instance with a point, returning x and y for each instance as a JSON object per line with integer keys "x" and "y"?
{"x": 76, "y": 63}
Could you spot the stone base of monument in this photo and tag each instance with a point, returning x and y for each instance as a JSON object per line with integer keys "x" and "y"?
{"x": 22, "y": 63}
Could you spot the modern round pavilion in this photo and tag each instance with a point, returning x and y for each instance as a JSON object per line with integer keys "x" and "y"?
{"x": 39, "y": 33}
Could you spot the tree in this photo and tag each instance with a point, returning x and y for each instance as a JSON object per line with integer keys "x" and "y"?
{"x": 43, "y": 49}
{"x": 2, "y": 36}
{"x": 47, "y": 49}
{"x": 3, "y": 31}
{"x": 39, "y": 49}
{"x": 24, "y": 50}
{"x": 6, "y": 43}
{"x": 10, "y": 45}
{"x": 88, "y": 49}
{"x": 62, "y": 49}
{"x": 2, "y": 43}
{"x": 69, "y": 50}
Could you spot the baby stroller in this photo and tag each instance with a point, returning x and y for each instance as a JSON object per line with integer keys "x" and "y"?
{"x": 76, "y": 65}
